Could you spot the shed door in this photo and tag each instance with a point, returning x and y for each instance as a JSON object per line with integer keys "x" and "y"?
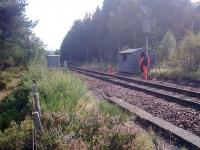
{"x": 124, "y": 57}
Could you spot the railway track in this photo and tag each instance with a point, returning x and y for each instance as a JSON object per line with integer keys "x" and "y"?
{"x": 181, "y": 96}
{"x": 167, "y": 129}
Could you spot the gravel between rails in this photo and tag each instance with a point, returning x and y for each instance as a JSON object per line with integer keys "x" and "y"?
{"x": 181, "y": 116}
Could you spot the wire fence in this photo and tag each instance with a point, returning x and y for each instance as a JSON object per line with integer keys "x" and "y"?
{"x": 36, "y": 114}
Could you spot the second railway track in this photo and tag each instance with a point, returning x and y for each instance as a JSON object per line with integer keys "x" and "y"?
{"x": 181, "y": 128}
{"x": 181, "y": 96}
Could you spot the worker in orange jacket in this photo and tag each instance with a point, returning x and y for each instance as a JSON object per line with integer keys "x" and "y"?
{"x": 144, "y": 65}
{"x": 110, "y": 69}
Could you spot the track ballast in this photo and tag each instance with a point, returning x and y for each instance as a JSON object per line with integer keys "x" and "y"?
{"x": 169, "y": 93}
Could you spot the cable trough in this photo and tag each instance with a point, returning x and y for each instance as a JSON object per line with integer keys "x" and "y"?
{"x": 181, "y": 135}
{"x": 181, "y": 96}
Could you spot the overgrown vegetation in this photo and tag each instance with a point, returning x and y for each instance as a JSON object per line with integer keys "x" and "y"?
{"x": 179, "y": 61}
{"x": 71, "y": 117}
{"x": 58, "y": 91}
{"x": 15, "y": 107}
{"x": 183, "y": 55}
{"x": 176, "y": 75}
{"x": 17, "y": 136}
{"x": 188, "y": 53}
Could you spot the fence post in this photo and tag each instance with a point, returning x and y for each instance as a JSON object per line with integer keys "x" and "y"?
{"x": 37, "y": 103}
{"x": 36, "y": 114}
{"x": 37, "y": 122}
{"x": 34, "y": 87}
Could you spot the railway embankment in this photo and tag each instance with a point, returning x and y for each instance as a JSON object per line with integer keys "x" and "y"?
{"x": 103, "y": 91}
{"x": 182, "y": 116}
{"x": 71, "y": 118}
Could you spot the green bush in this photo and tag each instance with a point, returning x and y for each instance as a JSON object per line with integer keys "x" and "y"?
{"x": 188, "y": 53}
{"x": 15, "y": 107}
{"x": 93, "y": 130}
{"x": 166, "y": 48}
{"x": 144, "y": 141}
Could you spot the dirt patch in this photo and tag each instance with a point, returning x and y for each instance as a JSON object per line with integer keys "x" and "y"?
{"x": 2, "y": 85}
{"x": 7, "y": 86}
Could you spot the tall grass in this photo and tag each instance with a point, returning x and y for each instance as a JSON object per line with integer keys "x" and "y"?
{"x": 58, "y": 90}
{"x": 109, "y": 109}
{"x": 176, "y": 75}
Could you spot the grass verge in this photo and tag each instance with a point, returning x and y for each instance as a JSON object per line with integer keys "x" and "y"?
{"x": 177, "y": 76}
{"x": 72, "y": 118}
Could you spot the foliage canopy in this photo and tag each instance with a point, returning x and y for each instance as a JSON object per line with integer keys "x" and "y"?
{"x": 119, "y": 23}
{"x": 17, "y": 42}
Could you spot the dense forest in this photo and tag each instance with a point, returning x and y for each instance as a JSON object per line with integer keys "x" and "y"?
{"x": 18, "y": 44}
{"x": 119, "y": 24}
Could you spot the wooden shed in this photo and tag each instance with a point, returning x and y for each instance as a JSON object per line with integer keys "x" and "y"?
{"x": 128, "y": 60}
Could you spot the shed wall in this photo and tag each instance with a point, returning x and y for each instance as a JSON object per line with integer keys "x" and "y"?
{"x": 132, "y": 63}
{"x": 53, "y": 61}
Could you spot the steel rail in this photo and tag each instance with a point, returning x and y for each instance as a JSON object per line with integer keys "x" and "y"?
{"x": 147, "y": 83}
{"x": 180, "y": 96}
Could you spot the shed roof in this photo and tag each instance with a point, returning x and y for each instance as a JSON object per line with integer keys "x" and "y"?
{"x": 127, "y": 51}
{"x": 53, "y": 55}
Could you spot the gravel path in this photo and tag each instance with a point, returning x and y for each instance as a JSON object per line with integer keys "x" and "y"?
{"x": 184, "y": 117}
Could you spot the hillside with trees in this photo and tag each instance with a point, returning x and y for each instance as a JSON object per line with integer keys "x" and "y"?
{"x": 18, "y": 44}
{"x": 119, "y": 24}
